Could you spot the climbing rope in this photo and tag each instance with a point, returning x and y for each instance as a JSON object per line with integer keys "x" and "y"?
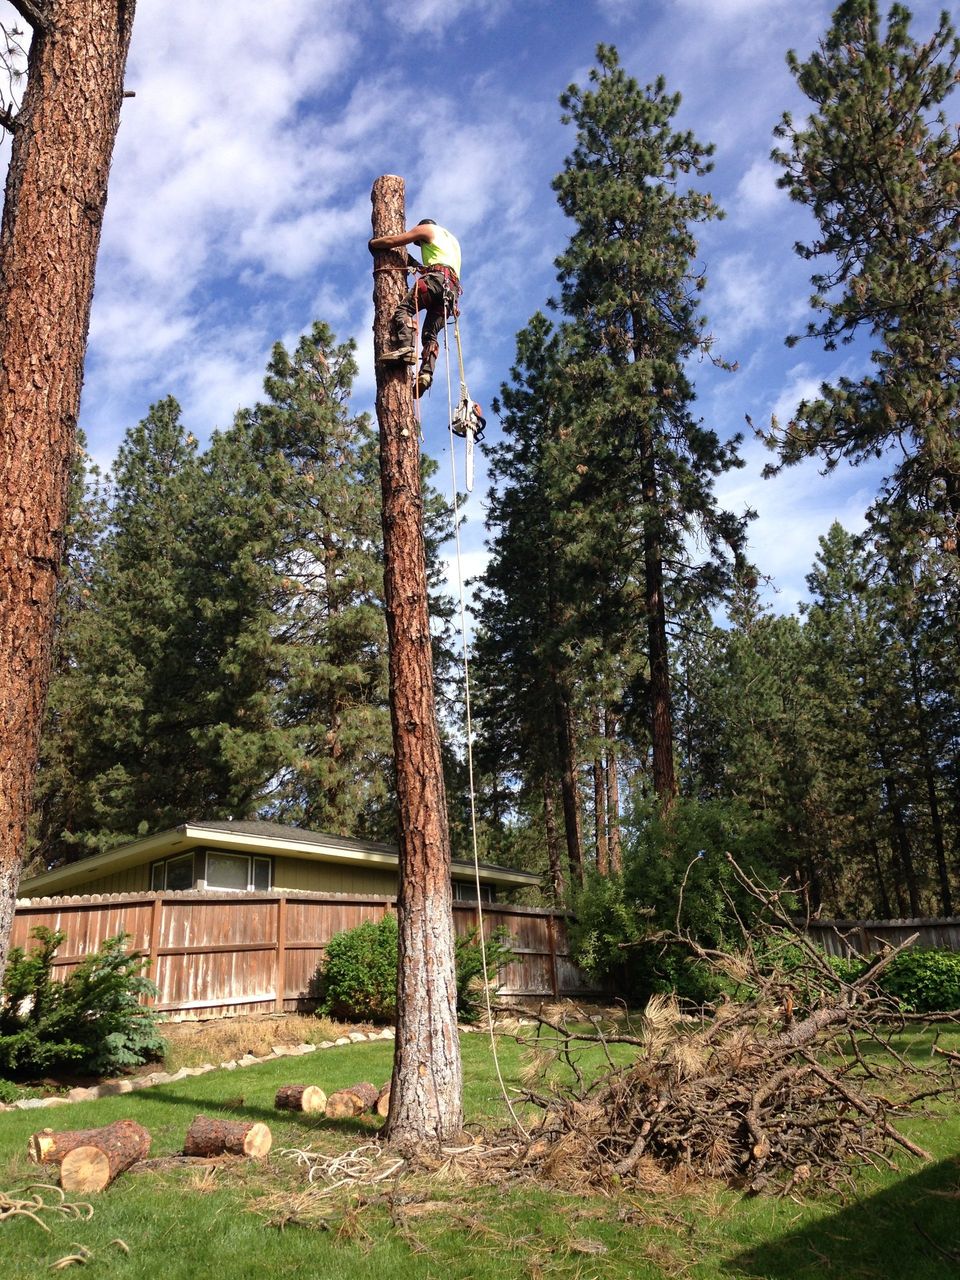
{"x": 455, "y": 506}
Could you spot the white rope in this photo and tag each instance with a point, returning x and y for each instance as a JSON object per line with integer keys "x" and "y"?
{"x": 469, "y": 720}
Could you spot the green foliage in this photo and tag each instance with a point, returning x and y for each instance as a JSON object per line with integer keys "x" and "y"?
{"x": 359, "y": 973}
{"x": 91, "y": 1022}
{"x": 924, "y": 981}
{"x": 876, "y": 162}
{"x": 471, "y": 975}
{"x": 676, "y": 872}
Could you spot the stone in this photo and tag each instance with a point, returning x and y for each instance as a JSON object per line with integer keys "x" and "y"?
{"x": 356, "y": 1036}
{"x": 114, "y": 1088}
{"x": 248, "y": 1060}
{"x": 229, "y": 1066}
{"x": 29, "y": 1104}
{"x": 325, "y": 1044}
{"x": 387, "y": 1033}
{"x": 342, "y": 1040}
{"x": 81, "y": 1095}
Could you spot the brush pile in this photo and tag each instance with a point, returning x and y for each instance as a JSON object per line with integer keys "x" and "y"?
{"x": 796, "y": 1080}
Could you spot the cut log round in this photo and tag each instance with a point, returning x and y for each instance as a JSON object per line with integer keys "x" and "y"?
{"x": 382, "y": 1104}
{"x": 209, "y": 1137}
{"x": 115, "y": 1140}
{"x": 308, "y": 1098}
{"x": 345, "y": 1104}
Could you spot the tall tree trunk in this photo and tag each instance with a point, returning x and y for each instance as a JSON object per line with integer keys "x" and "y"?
{"x": 426, "y": 1103}
{"x": 661, "y": 715}
{"x": 901, "y": 838}
{"x": 933, "y": 803}
{"x": 566, "y": 756}
{"x": 557, "y": 879}
{"x": 613, "y": 795}
{"x": 53, "y": 209}
{"x": 886, "y": 911}
{"x": 600, "y": 799}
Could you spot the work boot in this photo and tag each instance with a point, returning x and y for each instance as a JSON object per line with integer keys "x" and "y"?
{"x": 424, "y": 381}
{"x": 400, "y": 353}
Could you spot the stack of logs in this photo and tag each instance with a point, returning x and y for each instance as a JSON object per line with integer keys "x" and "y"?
{"x": 90, "y": 1159}
{"x": 344, "y": 1104}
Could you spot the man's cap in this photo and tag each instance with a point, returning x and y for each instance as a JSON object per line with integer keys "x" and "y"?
{"x": 424, "y": 221}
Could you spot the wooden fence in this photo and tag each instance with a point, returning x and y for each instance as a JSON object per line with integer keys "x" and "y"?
{"x": 215, "y": 954}
{"x": 843, "y": 937}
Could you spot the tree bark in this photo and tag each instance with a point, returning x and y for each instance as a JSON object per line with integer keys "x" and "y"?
{"x": 613, "y": 796}
{"x": 426, "y": 1105}
{"x": 661, "y": 713}
{"x": 209, "y": 1137}
{"x": 53, "y": 210}
{"x": 557, "y": 878}
{"x": 567, "y": 760}
{"x": 600, "y": 800}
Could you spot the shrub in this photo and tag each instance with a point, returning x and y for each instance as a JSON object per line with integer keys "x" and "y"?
{"x": 91, "y": 1022}
{"x": 358, "y": 979}
{"x": 924, "y": 981}
{"x": 673, "y": 866}
{"x": 359, "y": 975}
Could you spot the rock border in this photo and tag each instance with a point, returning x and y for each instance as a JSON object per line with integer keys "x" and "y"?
{"x": 114, "y": 1087}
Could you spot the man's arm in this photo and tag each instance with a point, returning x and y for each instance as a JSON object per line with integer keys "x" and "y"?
{"x": 416, "y": 235}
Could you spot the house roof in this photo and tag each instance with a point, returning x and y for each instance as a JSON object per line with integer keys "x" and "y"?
{"x": 248, "y": 837}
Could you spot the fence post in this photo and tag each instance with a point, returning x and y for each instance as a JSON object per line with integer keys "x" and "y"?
{"x": 281, "y": 966}
{"x": 156, "y": 914}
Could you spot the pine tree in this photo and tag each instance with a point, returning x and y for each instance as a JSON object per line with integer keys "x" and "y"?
{"x": 630, "y": 287}
{"x": 878, "y": 165}
{"x": 526, "y": 682}
{"x": 307, "y": 467}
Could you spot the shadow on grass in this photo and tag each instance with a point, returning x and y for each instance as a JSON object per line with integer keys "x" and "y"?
{"x": 238, "y": 1109}
{"x": 910, "y": 1231}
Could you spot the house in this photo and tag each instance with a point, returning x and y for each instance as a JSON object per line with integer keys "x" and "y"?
{"x": 255, "y": 857}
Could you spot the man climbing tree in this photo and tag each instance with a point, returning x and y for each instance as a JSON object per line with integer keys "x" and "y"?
{"x": 56, "y": 192}
{"x": 426, "y": 1091}
{"x": 436, "y": 292}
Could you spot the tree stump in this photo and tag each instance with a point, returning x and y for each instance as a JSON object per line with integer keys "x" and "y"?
{"x": 307, "y": 1098}
{"x": 90, "y": 1159}
{"x": 208, "y": 1137}
{"x": 345, "y": 1104}
{"x": 382, "y": 1104}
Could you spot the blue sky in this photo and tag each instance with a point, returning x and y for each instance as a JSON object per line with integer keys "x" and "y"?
{"x": 239, "y": 206}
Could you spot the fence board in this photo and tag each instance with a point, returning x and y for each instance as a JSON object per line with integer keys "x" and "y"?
{"x": 844, "y": 937}
{"x": 214, "y": 954}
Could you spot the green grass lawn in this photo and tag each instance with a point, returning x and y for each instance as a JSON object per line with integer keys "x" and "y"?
{"x": 183, "y": 1224}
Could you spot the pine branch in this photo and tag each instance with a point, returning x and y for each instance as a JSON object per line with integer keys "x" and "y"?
{"x": 8, "y": 120}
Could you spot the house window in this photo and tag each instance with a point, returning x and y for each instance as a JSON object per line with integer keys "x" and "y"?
{"x": 237, "y": 872}
{"x": 466, "y": 891}
{"x": 175, "y": 873}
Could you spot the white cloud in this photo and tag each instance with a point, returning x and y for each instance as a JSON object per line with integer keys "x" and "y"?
{"x": 757, "y": 193}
